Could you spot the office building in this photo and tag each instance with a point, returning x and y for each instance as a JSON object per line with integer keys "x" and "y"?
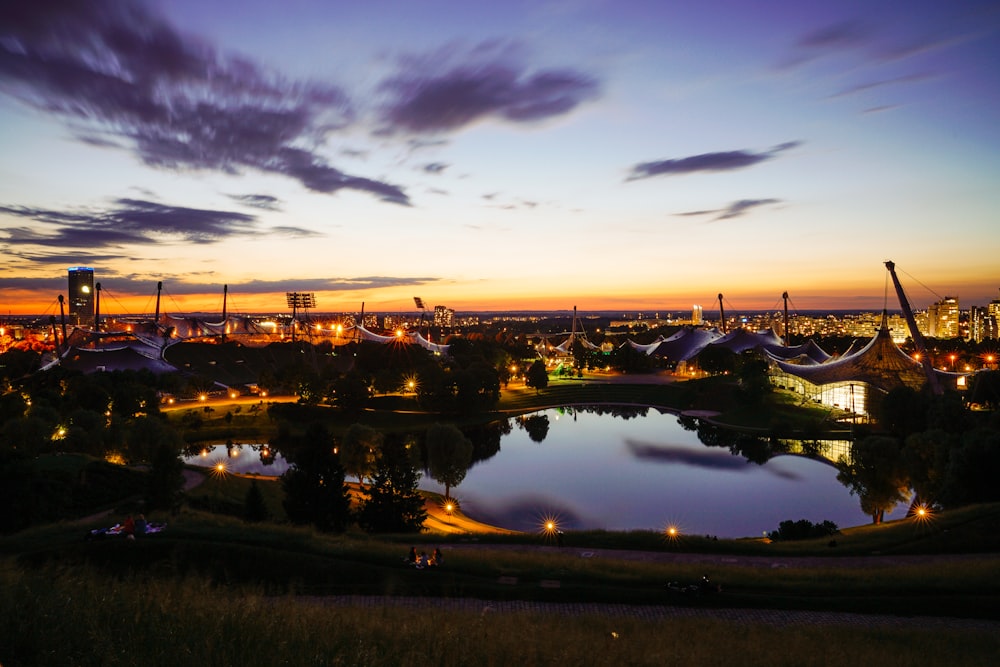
{"x": 81, "y": 295}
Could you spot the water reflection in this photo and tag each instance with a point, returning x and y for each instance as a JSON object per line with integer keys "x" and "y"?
{"x": 620, "y": 468}
{"x": 623, "y": 469}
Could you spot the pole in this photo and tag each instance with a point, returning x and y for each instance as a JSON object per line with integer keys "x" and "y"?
{"x": 788, "y": 342}
{"x": 97, "y": 308}
{"x": 722, "y": 313}
{"x": 62, "y": 317}
{"x": 156, "y": 317}
{"x": 225, "y": 296}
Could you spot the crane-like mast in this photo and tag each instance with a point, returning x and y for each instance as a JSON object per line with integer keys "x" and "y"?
{"x": 918, "y": 339}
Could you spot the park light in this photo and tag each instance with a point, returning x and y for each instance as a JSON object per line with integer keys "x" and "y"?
{"x": 202, "y": 397}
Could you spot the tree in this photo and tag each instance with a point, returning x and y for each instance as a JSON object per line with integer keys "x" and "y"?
{"x": 449, "y": 454}
{"x": 972, "y": 469}
{"x": 359, "y": 450}
{"x": 393, "y": 504}
{"x": 902, "y": 411}
{"x": 925, "y": 460}
{"x": 717, "y": 360}
{"x": 537, "y": 377}
{"x": 254, "y": 509}
{"x": 537, "y": 427}
{"x": 166, "y": 477}
{"x": 351, "y": 393}
{"x": 314, "y": 486}
{"x": 875, "y": 473}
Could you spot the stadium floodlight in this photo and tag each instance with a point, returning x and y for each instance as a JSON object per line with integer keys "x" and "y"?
{"x": 298, "y": 300}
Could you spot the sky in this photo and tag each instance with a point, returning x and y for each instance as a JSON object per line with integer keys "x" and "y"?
{"x": 610, "y": 155}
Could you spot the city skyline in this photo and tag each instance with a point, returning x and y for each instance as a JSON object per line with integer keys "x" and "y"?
{"x": 626, "y": 156}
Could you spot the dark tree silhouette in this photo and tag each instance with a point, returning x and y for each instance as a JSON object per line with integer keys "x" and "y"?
{"x": 449, "y": 454}
{"x": 393, "y": 504}
{"x": 537, "y": 377}
{"x": 875, "y": 473}
{"x": 254, "y": 509}
{"x": 359, "y": 450}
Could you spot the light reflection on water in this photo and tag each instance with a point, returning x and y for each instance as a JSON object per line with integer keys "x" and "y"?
{"x": 598, "y": 471}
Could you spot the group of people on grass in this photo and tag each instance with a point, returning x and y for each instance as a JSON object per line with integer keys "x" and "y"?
{"x": 136, "y": 527}
{"x": 421, "y": 561}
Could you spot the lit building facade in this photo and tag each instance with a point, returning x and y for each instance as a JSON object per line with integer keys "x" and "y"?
{"x": 697, "y": 315}
{"x": 444, "y": 316}
{"x": 81, "y": 295}
{"x": 942, "y": 318}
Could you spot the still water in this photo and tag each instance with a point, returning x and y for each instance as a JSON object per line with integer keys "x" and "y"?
{"x": 598, "y": 471}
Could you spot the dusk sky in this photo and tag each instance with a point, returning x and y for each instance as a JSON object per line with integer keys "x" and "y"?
{"x": 612, "y": 155}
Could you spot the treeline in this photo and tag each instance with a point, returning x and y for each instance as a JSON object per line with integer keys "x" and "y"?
{"x": 929, "y": 450}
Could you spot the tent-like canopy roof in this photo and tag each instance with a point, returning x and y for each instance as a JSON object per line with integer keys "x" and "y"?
{"x": 809, "y": 353}
{"x": 686, "y": 343}
{"x": 741, "y": 340}
{"x": 880, "y": 364}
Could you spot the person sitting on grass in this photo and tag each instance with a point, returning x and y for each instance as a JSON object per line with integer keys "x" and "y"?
{"x": 141, "y": 525}
{"x": 128, "y": 528}
{"x": 437, "y": 558}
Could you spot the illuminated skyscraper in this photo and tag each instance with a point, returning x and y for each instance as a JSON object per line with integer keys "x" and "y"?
{"x": 697, "y": 315}
{"x": 444, "y": 316}
{"x": 942, "y": 318}
{"x": 81, "y": 295}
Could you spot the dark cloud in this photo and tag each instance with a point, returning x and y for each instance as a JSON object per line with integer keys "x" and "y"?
{"x": 733, "y": 210}
{"x": 432, "y": 95}
{"x": 128, "y": 222}
{"x": 69, "y": 258}
{"x": 709, "y": 162}
{"x": 264, "y": 202}
{"x": 183, "y": 285}
{"x": 435, "y": 167}
{"x": 122, "y": 71}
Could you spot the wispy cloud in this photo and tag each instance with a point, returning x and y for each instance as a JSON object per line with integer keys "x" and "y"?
{"x": 129, "y": 222}
{"x": 263, "y": 202}
{"x": 453, "y": 88}
{"x": 128, "y": 77}
{"x": 707, "y": 162}
{"x": 733, "y": 210}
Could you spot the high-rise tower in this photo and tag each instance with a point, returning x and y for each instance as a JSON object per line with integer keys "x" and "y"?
{"x": 81, "y": 295}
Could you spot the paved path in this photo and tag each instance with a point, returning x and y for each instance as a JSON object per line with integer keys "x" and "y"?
{"x": 652, "y": 612}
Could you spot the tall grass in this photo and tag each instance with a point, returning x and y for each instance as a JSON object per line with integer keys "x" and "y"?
{"x": 76, "y": 617}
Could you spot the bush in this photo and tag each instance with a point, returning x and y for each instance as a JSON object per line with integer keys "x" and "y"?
{"x": 803, "y": 530}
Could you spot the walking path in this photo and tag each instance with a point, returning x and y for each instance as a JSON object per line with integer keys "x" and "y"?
{"x": 652, "y": 612}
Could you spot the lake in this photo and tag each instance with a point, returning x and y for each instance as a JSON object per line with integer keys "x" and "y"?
{"x": 589, "y": 470}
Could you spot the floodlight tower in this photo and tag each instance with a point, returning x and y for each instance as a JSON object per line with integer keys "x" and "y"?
{"x": 298, "y": 300}
{"x": 423, "y": 313}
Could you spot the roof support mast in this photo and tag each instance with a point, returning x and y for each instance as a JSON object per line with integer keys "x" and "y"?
{"x": 918, "y": 339}
{"x": 722, "y": 313}
{"x": 788, "y": 340}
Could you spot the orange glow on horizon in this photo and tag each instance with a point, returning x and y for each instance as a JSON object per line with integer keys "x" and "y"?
{"x": 496, "y": 295}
